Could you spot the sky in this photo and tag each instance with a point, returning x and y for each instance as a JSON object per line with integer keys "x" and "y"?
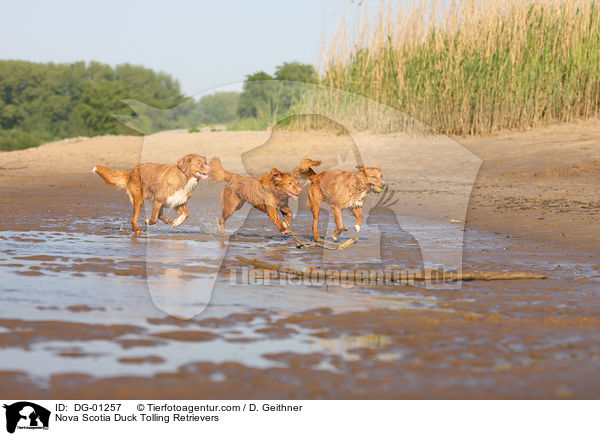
{"x": 204, "y": 44}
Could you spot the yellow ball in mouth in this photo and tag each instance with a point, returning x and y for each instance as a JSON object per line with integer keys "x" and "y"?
{"x": 377, "y": 189}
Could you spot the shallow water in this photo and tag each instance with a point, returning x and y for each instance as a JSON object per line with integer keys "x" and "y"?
{"x": 92, "y": 271}
{"x": 104, "y": 277}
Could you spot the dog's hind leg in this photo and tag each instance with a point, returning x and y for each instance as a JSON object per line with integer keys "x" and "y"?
{"x": 183, "y": 212}
{"x": 156, "y": 211}
{"x": 137, "y": 199}
{"x": 230, "y": 203}
{"x": 137, "y": 207}
{"x": 337, "y": 214}
{"x": 314, "y": 200}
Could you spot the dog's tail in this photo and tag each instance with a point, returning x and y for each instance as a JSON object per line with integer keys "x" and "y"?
{"x": 305, "y": 168}
{"x": 217, "y": 172}
{"x": 115, "y": 178}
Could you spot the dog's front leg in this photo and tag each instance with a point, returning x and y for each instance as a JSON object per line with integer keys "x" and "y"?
{"x": 288, "y": 214}
{"x": 273, "y": 214}
{"x": 337, "y": 214}
{"x": 358, "y": 213}
{"x": 183, "y": 212}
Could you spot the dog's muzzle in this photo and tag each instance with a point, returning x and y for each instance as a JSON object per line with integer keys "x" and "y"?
{"x": 203, "y": 175}
{"x": 378, "y": 189}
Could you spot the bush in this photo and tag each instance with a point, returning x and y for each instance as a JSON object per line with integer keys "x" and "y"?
{"x": 16, "y": 140}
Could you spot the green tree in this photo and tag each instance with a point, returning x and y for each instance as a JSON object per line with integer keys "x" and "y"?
{"x": 266, "y": 96}
{"x": 257, "y": 99}
{"x": 295, "y": 72}
{"x": 93, "y": 114}
{"x": 219, "y": 107}
{"x": 149, "y": 119}
{"x": 49, "y": 101}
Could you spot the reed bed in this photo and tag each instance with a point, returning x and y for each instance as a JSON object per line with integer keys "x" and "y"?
{"x": 471, "y": 67}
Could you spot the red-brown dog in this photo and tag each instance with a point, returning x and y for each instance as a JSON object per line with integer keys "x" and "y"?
{"x": 268, "y": 194}
{"x": 341, "y": 190}
{"x": 165, "y": 185}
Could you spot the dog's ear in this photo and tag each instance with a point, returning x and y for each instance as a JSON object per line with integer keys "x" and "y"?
{"x": 361, "y": 168}
{"x": 184, "y": 163}
{"x": 305, "y": 164}
{"x": 276, "y": 174}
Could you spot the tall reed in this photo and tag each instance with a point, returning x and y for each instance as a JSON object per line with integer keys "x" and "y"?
{"x": 474, "y": 66}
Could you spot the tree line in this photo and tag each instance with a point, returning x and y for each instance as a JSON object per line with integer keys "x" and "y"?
{"x": 41, "y": 102}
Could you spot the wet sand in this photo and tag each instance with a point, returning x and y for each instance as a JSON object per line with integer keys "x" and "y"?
{"x": 78, "y": 322}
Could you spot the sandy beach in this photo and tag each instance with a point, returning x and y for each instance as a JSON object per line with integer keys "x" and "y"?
{"x": 76, "y": 281}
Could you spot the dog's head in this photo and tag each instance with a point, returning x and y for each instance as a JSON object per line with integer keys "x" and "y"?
{"x": 194, "y": 165}
{"x": 287, "y": 182}
{"x": 374, "y": 178}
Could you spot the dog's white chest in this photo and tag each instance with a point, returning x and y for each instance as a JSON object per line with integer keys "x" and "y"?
{"x": 181, "y": 196}
{"x": 359, "y": 201}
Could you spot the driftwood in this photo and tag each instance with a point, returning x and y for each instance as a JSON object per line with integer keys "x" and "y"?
{"x": 320, "y": 243}
{"x": 494, "y": 275}
{"x": 319, "y": 274}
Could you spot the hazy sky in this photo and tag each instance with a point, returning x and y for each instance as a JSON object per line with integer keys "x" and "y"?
{"x": 204, "y": 44}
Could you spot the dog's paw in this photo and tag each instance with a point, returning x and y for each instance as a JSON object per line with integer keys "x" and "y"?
{"x": 180, "y": 219}
{"x": 285, "y": 232}
{"x": 344, "y": 229}
{"x": 357, "y": 228}
{"x": 335, "y": 238}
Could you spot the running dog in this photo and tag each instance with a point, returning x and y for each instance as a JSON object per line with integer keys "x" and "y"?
{"x": 165, "y": 185}
{"x": 278, "y": 181}
{"x": 341, "y": 190}
{"x": 269, "y": 194}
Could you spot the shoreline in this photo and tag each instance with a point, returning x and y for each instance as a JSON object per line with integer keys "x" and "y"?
{"x": 539, "y": 185}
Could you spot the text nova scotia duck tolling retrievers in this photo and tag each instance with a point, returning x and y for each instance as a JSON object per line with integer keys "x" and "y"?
{"x": 341, "y": 190}
{"x": 165, "y": 185}
{"x": 268, "y": 194}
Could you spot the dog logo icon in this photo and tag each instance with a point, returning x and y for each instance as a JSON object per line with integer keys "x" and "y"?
{"x": 26, "y": 415}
